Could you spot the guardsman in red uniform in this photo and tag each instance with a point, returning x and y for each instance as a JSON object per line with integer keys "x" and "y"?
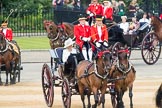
{"x": 6, "y": 31}
{"x": 94, "y": 9}
{"x": 99, "y": 33}
{"x": 107, "y": 11}
{"x": 82, "y": 34}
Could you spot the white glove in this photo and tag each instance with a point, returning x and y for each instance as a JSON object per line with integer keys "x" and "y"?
{"x": 98, "y": 44}
{"x": 84, "y": 39}
{"x": 88, "y": 12}
{"x": 91, "y": 14}
{"x": 105, "y": 44}
{"x": 88, "y": 39}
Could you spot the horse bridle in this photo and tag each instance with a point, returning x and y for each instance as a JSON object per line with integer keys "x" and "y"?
{"x": 106, "y": 69}
{"x": 61, "y": 29}
{"x": 129, "y": 64}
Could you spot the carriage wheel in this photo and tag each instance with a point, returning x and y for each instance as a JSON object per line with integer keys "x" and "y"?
{"x": 66, "y": 93}
{"x": 150, "y": 48}
{"x": 47, "y": 85}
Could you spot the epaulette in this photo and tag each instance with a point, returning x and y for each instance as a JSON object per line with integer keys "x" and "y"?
{"x": 9, "y": 28}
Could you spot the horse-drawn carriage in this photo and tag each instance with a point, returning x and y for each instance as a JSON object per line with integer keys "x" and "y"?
{"x": 111, "y": 77}
{"x": 10, "y": 60}
{"x": 146, "y": 38}
{"x": 86, "y": 75}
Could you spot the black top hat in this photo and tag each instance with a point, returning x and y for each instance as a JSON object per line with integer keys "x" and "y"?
{"x": 4, "y": 23}
{"x": 98, "y": 17}
{"x": 82, "y": 17}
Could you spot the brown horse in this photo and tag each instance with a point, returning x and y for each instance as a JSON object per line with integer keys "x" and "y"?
{"x": 123, "y": 69}
{"x": 8, "y": 60}
{"x": 157, "y": 24}
{"x": 92, "y": 77}
{"x": 159, "y": 97}
{"x": 57, "y": 34}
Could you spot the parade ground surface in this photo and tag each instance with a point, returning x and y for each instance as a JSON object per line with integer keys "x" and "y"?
{"x": 28, "y": 92}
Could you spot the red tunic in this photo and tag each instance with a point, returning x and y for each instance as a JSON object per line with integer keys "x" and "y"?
{"x": 8, "y": 34}
{"x": 96, "y": 9}
{"x": 80, "y": 32}
{"x": 108, "y": 13}
{"x": 95, "y": 34}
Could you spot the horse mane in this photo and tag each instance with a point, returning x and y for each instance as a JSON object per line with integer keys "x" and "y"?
{"x": 158, "y": 18}
{"x": 159, "y": 96}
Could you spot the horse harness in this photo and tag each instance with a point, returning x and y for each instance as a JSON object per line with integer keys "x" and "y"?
{"x": 86, "y": 73}
{"x": 7, "y": 46}
{"x": 122, "y": 71}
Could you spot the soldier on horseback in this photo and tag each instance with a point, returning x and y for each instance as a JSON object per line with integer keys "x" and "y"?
{"x": 6, "y": 31}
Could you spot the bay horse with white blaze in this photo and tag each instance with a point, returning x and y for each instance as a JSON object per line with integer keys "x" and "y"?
{"x": 92, "y": 77}
{"x": 123, "y": 69}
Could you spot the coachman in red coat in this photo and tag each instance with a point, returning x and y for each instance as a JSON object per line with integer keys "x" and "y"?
{"x": 99, "y": 33}
{"x": 82, "y": 34}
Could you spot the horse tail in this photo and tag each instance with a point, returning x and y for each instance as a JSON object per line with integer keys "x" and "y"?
{"x": 159, "y": 97}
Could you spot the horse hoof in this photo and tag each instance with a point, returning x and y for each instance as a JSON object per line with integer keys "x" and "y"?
{"x": 6, "y": 84}
{"x": 12, "y": 82}
{"x": 89, "y": 106}
{"x": 94, "y": 106}
{"x": 1, "y": 83}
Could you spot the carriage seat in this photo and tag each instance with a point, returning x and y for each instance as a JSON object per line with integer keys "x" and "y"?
{"x": 56, "y": 54}
{"x": 143, "y": 27}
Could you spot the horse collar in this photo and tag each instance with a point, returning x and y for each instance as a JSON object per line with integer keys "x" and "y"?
{"x": 121, "y": 70}
{"x": 6, "y": 48}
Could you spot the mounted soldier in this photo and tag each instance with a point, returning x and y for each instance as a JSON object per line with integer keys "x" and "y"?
{"x": 6, "y": 31}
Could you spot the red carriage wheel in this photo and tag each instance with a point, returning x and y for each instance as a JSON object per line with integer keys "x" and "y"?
{"x": 150, "y": 48}
{"x": 47, "y": 85}
{"x": 66, "y": 93}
